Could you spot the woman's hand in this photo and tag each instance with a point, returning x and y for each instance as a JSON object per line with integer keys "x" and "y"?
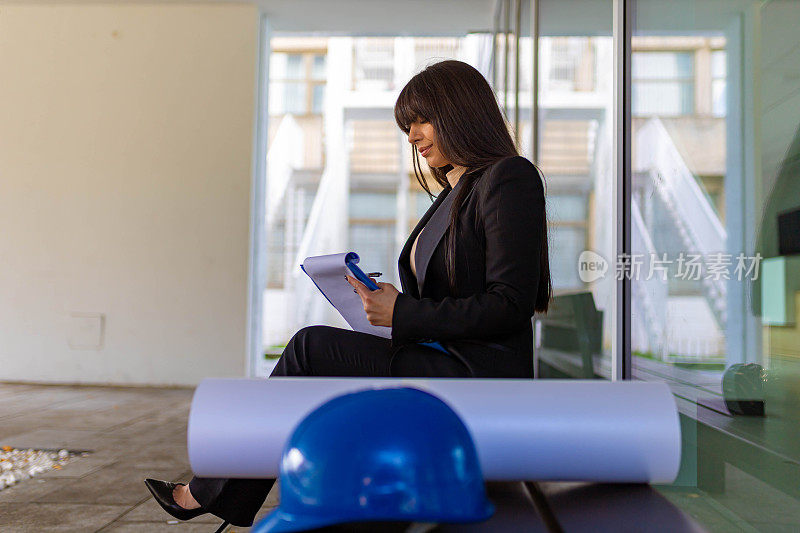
{"x": 378, "y": 304}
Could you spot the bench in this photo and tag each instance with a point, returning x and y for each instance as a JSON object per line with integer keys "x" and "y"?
{"x": 549, "y": 507}
{"x": 569, "y": 338}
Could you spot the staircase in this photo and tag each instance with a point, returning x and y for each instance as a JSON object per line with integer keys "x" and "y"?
{"x": 664, "y": 177}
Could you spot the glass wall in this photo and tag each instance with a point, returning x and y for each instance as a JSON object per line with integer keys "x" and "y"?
{"x": 715, "y": 174}
{"x": 339, "y": 169}
{"x": 715, "y": 163}
{"x": 576, "y": 106}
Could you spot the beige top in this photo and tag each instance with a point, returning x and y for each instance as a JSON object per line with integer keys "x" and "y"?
{"x": 453, "y": 177}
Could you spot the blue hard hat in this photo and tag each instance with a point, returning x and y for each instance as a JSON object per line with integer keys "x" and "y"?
{"x": 397, "y": 454}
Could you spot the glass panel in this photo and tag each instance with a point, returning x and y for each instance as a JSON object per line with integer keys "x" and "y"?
{"x": 575, "y": 143}
{"x": 718, "y": 64}
{"x": 662, "y": 98}
{"x": 374, "y": 64}
{"x": 318, "y": 68}
{"x": 373, "y": 205}
{"x": 318, "y": 99}
{"x": 287, "y": 97}
{"x": 718, "y": 75}
{"x": 319, "y": 164}
{"x": 661, "y": 65}
{"x": 662, "y": 83}
{"x": 423, "y": 203}
{"x": 571, "y": 64}
{"x": 678, "y": 320}
{"x": 295, "y": 67}
{"x": 567, "y": 243}
{"x": 565, "y": 208}
{"x": 294, "y": 98}
{"x": 718, "y": 97}
{"x": 277, "y": 66}
{"x": 433, "y": 49}
{"x": 714, "y": 301}
{"x": 276, "y": 255}
{"x": 375, "y": 246}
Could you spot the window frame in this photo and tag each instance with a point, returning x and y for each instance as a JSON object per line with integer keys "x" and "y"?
{"x": 308, "y": 55}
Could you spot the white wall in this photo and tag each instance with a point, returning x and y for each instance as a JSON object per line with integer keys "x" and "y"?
{"x": 126, "y": 134}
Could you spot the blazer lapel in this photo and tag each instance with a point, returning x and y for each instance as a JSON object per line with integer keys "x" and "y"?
{"x": 431, "y": 234}
{"x": 407, "y": 281}
{"x": 435, "y": 222}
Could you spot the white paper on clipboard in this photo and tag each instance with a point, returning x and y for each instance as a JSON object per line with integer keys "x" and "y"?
{"x": 328, "y": 274}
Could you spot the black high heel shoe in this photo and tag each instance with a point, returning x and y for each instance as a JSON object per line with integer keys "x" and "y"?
{"x": 162, "y": 492}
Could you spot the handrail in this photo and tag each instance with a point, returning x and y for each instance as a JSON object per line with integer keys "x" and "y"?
{"x": 314, "y": 235}
{"x": 656, "y": 150}
{"x": 651, "y": 294}
{"x": 311, "y": 234}
{"x": 697, "y": 222}
{"x": 284, "y": 155}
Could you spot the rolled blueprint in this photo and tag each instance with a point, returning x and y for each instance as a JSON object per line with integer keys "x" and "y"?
{"x": 567, "y": 430}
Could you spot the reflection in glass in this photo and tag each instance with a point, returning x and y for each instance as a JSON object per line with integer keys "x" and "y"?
{"x": 295, "y": 68}
{"x": 318, "y": 99}
{"x": 715, "y": 162}
{"x": 318, "y": 67}
{"x": 663, "y": 83}
{"x": 573, "y": 340}
{"x": 338, "y": 169}
{"x": 679, "y": 160}
{"x": 294, "y": 98}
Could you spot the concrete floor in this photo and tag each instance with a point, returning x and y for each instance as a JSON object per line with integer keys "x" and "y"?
{"x": 133, "y": 433}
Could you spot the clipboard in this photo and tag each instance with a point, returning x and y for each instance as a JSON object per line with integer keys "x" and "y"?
{"x": 327, "y": 271}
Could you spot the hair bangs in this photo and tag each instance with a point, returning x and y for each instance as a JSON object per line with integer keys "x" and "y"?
{"x": 412, "y": 104}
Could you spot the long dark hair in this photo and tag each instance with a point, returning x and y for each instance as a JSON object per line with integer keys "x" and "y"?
{"x": 470, "y": 132}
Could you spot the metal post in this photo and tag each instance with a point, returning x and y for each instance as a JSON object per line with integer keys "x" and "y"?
{"x": 535, "y": 81}
{"x": 622, "y": 30}
{"x": 506, "y": 29}
{"x": 498, "y": 4}
{"x": 517, "y": 24}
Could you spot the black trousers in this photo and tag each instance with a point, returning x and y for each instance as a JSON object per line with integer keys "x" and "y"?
{"x": 325, "y": 352}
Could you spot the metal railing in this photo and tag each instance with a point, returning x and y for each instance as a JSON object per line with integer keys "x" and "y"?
{"x": 650, "y": 293}
{"x": 318, "y": 238}
{"x": 695, "y": 220}
{"x": 284, "y": 155}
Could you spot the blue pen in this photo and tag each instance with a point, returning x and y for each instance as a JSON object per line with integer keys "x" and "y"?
{"x": 350, "y": 260}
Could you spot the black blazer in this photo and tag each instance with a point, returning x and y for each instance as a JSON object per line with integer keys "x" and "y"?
{"x": 486, "y": 321}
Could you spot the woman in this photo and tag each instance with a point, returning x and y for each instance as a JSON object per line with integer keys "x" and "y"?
{"x": 473, "y": 272}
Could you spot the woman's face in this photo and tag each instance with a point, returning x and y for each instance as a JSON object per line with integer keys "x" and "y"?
{"x": 422, "y": 136}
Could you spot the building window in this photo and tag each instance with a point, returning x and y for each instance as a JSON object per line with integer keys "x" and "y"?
{"x": 429, "y": 50}
{"x": 571, "y": 64}
{"x": 718, "y": 90}
{"x": 371, "y": 232}
{"x": 276, "y": 255}
{"x": 567, "y": 238}
{"x": 285, "y": 235}
{"x": 297, "y": 83}
{"x": 373, "y": 64}
{"x": 663, "y": 83}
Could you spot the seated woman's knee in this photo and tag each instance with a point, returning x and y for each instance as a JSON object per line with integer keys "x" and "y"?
{"x": 308, "y": 333}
